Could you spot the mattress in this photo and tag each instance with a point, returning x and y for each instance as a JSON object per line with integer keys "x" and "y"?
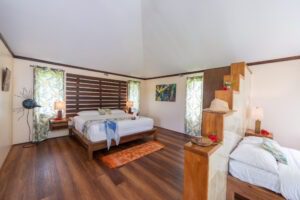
{"x": 96, "y": 132}
{"x": 254, "y": 176}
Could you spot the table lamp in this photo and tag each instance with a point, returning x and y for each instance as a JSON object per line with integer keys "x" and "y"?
{"x": 59, "y": 106}
{"x": 129, "y": 105}
{"x": 257, "y": 115}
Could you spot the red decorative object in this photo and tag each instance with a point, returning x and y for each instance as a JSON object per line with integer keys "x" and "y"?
{"x": 213, "y": 137}
{"x": 264, "y": 132}
{"x": 225, "y": 88}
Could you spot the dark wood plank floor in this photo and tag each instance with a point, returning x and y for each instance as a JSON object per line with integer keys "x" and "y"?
{"x": 59, "y": 169}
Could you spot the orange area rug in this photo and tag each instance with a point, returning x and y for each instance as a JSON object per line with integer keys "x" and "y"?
{"x": 123, "y": 157}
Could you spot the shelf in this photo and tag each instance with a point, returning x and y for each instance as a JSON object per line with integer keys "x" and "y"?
{"x": 204, "y": 151}
{"x": 219, "y": 112}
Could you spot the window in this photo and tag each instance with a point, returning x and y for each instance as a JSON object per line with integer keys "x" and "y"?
{"x": 48, "y": 88}
{"x": 134, "y": 94}
{"x": 193, "y": 115}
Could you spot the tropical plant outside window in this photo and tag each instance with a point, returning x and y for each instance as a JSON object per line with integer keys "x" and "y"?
{"x": 193, "y": 115}
{"x": 48, "y": 88}
{"x": 134, "y": 94}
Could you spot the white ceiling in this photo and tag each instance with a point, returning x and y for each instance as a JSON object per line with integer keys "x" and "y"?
{"x": 151, "y": 37}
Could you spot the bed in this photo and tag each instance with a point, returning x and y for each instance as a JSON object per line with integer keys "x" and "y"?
{"x": 95, "y": 137}
{"x": 254, "y": 173}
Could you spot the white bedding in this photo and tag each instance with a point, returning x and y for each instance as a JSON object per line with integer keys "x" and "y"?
{"x": 289, "y": 175}
{"x": 254, "y": 176}
{"x": 285, "y": 179}
{"x": 97, "y": 133}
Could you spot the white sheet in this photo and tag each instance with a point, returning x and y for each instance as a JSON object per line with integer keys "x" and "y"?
{"x": 290, "y": 175}
{"x": 285, "y": 181}
{"x": 255, "y": 176}
{"x": 97, "y": 133}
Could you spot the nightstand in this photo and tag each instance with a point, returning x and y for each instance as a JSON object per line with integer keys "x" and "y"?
{"x": 250, "y": 132}
{"x": 55, "y": 124}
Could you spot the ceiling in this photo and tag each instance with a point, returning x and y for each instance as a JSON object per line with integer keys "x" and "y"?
{"x": 149, "y": 38}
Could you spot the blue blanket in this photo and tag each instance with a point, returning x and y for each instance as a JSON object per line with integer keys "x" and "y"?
{"x": 111, "y": 132}
{"x": 111, "y": 129}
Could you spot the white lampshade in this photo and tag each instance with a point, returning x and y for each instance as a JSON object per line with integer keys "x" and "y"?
{"x": 129, "y": 104}
{"x": 257, "y": 113}
{"x": 59, "y": 105}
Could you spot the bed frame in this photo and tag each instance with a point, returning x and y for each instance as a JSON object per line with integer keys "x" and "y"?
{"x": 237, "y": 189}
{"x": 94, "y": 146}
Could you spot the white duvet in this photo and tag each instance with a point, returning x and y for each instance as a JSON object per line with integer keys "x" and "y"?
{"x": 249, "y": 160}
{"x": 289, "y": 175}
{"x": 97, "y": 133}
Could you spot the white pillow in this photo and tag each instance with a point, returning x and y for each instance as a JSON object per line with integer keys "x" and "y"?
{"x": 253, "y": 140}
{"x": 88, "y": 112}
{"x": 117, "y": 111}
{"x": 254, "y": 155}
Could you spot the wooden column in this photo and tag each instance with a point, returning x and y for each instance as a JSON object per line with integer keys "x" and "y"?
{"x": 196, "y": 171}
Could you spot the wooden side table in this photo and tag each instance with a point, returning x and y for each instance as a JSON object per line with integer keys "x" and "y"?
{"x": 250, "y": 132}
{"x": 55, "y": 124}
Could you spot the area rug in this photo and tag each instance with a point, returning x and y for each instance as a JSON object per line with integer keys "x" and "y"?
{"x": 123, "y": 157}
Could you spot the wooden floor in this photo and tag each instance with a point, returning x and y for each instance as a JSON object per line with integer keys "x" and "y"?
{"x": 59, "y": 169}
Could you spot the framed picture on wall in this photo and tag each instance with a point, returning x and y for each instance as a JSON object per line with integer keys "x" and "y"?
{"x": 6, "y": 73}
{"x": 165, "y": 92}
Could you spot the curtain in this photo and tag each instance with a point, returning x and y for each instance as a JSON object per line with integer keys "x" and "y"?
{"x": 134, "y": 94}
{"x": 48, "y": 88}
{"x": 193, "y": 115}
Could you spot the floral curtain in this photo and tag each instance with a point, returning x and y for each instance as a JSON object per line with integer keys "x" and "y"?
{"x": 134, "y": 94}
{"x": 193, "y": 115}
{"x": 48, "y": 88}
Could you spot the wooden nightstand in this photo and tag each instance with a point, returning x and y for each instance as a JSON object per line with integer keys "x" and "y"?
{"x": 250, "y": 132}
{"x": 58, "y": 124}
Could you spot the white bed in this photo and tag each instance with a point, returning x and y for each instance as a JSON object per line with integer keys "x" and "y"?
{"x": 254, "y": 176}
{"x": 97, "y": 133}
{"x": 250, "y": 163}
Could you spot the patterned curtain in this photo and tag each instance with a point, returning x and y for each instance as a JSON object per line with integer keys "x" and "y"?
{"x": 48, "y": 88}
{"x": 193, "y": 115}
{"x": 134, "y": 94}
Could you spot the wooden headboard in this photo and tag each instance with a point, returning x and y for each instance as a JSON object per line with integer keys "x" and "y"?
{"x": 91, "y": 93}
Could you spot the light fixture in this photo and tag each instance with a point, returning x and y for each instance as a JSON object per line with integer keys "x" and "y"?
{"x": 257, "y": 114}
{"x": 129, "y": 105}
{"x": 59, "y": 106}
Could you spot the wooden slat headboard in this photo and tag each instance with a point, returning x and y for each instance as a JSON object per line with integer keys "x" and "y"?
{"x": 91, "y": 93}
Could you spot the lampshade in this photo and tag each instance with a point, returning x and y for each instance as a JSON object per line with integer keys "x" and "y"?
{"x": 59, "y": 105}
{"x": 129, "y": 104}
{"x": 257, "y": 113}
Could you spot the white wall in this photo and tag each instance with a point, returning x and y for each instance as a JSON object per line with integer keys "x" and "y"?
{"x": 23, "y": 78}
{"x": 169, "y": 115}
{"x": 6, "y": 60}
{"x": 275, "y": 87}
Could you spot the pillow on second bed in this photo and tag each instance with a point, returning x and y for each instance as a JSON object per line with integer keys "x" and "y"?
{"x": 104, "y": 111}
{"x": 275, "y": 149}
{"x": 117, "y": 111}
{"x": 88, "y": 112}
{"x": 251, "y": 153}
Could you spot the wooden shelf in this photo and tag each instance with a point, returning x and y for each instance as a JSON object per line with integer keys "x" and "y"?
{"x": 237, "y": 73}
{"x": 225, "y": 95}
{"x": 204, "y": 151}
{"x": 219, "y": 112}
{"x": 238, "y": 68}
{"x": 55, "y": 124}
